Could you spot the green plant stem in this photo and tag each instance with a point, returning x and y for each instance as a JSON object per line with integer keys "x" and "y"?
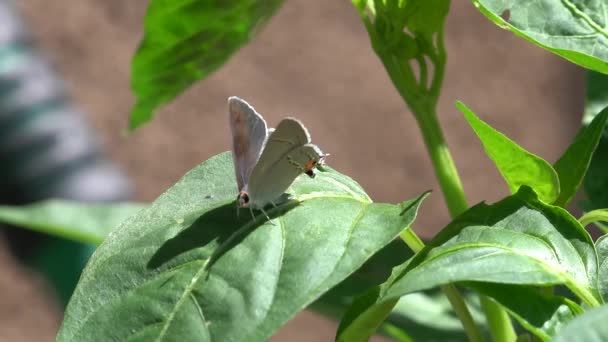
{"x": 594, "y": 216}
{"x": 443, "y": 164}
{"x": 498, "y": 320}
{"x": 460, "y": 308}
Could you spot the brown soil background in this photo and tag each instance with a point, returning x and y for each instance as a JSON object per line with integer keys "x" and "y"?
{"x": 312, "y": 60}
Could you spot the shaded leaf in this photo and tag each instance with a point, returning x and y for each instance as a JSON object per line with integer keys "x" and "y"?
{"x": 589, "y": 327}
{"x": 428, "y": 316}
{"x": 596, "y": 179}
{"x": 573, "y": 29}
{"x": 188, "y": 268}
{"x": 517, "y": 166}
{"x": 572, "y": 166}
{"x": 519, "y": 240}
{"x": 602, "y": 274}
{"x": 542, "y": 314}
{"x": 597, "y": 96}
{"x": 77, "y": 221}
{"x": 185, "y": 41}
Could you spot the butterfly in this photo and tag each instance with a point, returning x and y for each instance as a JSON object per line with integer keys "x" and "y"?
{"x": 267, "y": 161}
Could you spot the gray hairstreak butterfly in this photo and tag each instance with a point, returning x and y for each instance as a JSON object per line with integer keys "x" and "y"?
{"x": 267, "y": 161}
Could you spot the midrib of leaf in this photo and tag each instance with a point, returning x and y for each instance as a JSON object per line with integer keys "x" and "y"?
{"x": 586, "y": 18}
{"x": 181, "y": 300}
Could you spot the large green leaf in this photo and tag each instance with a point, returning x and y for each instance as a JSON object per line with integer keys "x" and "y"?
{"x": 519, "y": 240}
{"x": 572, "y": 166}
{"x": 589, "y": 327}
{"x": 188, "y": 268}
{"x": 81, "y": 222}
{"x": 185, "y": 41}
{"x": 602, "y": 274}
{"x": 574, "y": 29}
{"x": 517, "y": 166}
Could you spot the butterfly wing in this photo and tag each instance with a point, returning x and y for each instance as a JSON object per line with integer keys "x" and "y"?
{"x": 289, "y": 134}
{"x": 249, "y": 134}
{"x": 268, "y": 186}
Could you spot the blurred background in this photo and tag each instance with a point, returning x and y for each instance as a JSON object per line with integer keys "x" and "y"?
{"x": 314, "y": 61}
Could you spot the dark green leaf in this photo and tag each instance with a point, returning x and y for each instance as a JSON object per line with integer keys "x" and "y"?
{"x": 602, "y": 274}
{"x": 185, "y": 41}
{"x": 573, "y": 29}
{"x": 519, "y": 240}
{"x": 188, "y": 268}
{"x": 596, "y": 97}
{"x": 81, "y": 222}
{"x": 572, "y": 166}
{"x": 589, "y": 327}
{"x": 596, "y": 179}
{"x": 517, "y": 166}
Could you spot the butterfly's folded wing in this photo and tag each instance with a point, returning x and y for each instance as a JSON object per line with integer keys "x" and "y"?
{"x": 268, "y": 186}
{"x": 288, "y": 135}
{"x": 249, "y": 134}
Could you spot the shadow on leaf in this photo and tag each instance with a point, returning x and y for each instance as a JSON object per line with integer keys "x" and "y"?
{"x": 220, "y": 226}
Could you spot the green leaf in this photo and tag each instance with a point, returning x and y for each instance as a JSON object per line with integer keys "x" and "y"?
{"x": 542, "y": 314}
{"x": 572, "y": 166}
{"x": 519, "y": 240}
{"x": 185, "y": 41}
{"x": 573, "y": 29}
{"x": 589, "y": 327}
{"x": 77, "y": 221}
{"x": 188, "y": 268}
{"x": 602, "y": 274}
{"x": 517, "y": 166}
{"x": 596, "y": 179}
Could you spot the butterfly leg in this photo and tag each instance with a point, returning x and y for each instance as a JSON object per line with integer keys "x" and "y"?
{"x": 252, "y": 215}
{"x": 268, "y": 217}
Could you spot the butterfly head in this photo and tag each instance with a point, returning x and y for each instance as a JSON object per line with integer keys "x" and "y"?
{"x": 242, "y": 199}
